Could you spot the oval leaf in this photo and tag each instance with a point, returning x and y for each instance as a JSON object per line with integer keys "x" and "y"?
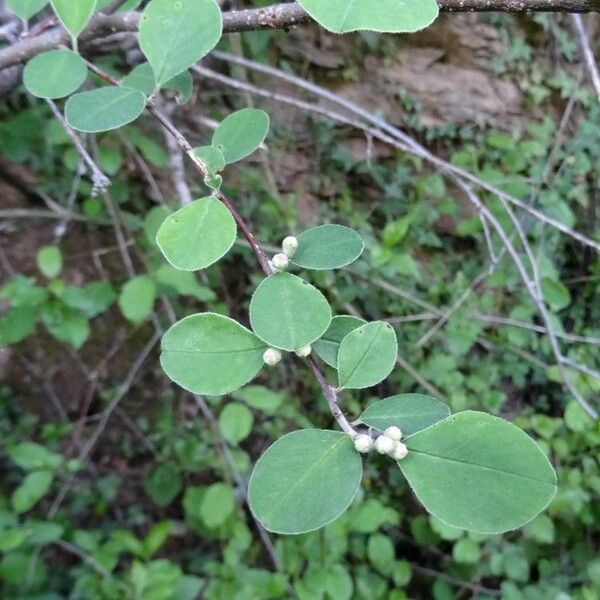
{"x": 327, "y": 347}
{"x": 50, "y": 261}
{"x": 211, "y": 354}
{"x": 54, "y": 74}
{"x": 74, "y": 15}
{"x": 197, "y": 235}
{"x": 175, "y": 35}
{"x": 367, "y": 355}
{"x": 241, "y": 133}
{"x": 391, "y": 16}
{"x": 328, "y": 247}
{"x": 304, "y": 481}
{"x": 25, "y": 9}
{"x": 478, "y": 472}
{"x": 137, "y": 298}
{"x": 212, "y": 157}
{"x": 410, "y": 412}
{"x": 288, "y": 313}
{"x": 104, "y": 109}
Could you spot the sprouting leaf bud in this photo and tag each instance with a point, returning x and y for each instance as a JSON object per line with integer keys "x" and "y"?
{"x": 400, "y": 451}
{"x": 271, "y": 356}
{"x": 363, "y": 443}
{"x": 394, "y": 432}
{"x": 384, "y": 444}
{"x": 304, "y": 351}
{"x": 290, "y": 245}
{"x": 280, "y": 262}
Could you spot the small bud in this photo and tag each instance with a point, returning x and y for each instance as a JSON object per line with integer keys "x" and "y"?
{"x": 289, "y": 245}
{"x": 304, "y": 351}
{"x": 400, "y": 451}
{"x": 271, "y": 356}
{"x": 393, "y": 432}
{"x": 280, "y": 262}
{"x": 363, "y": 443}
{"x": 384, "y": 444}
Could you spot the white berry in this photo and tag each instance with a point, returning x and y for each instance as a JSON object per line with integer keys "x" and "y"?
{"x": 394, "y": 432}
{"x": 280, "y": 262}
{"x": 289, "y": 245}
{"x": 384, "y": 444}
{"x": 271, "y": 356}
{"x": 400, "y": 451}
{"x": 304, "y": 351}
{"x": 363, "y": 443}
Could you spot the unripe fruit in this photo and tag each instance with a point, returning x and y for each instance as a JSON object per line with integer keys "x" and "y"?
{"x": 363, "y": 443}
{"x": 304, "y": 351}
{"x": 271, "y": 356}
{"x": 384, "y": 444}
{"x": 280, "y": 262}
{"x": 393, "y": 432}
{"x": 400, "y": 451}
{"x": 289, "y": 245}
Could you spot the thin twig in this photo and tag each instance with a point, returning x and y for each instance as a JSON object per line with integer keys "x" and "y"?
{"x": 586, "y": 50}
{"x": 100, "y": 181}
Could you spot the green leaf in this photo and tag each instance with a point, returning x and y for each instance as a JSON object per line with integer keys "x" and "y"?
{"x": 211, "y": 354}
{"x": 391, "y": 16}
{"x": 137, "y": 298}
{"x": 235, "y": 422}
{"x": 184, "y": 283}
{"x": 212, "y": 157}
{"x": 197, "y": 235}
{"x": 163, "y": 484}
{"x": 328, "y": 345}
{"x": 188, "y": 588}
{"x": 49, "y": 261}
{"x": 327, "y": 247}
{"x": 54, "y": 74}
{"x": 576, "y": 419}
{"x": 241, "y": 133}
{"x": 304, "y": 481}
{"x": 29, "y": 456}
{"x": 478, "y": 472}
{"x": 555, "y": 294}
{"x": 66, "y": 324}
{"x": 175, "y": 35}
{"x": 91, "y": 299}
{"x": 466, "y": 551}
{"x": 25, "y": 9}
{"x": 104, "y": 109}
{"x": 32, "y": 489}
{"x": 261, "y": 398}
{"x": 288, "y": 313}
{"x": 142, "y": 79}
{"x": 74, "y": 15}
{"x": 217, "y": 504}
{"x": 380, "y": 550}
{"x": 410, "y": 412}
{"x": 367, "y": 355}
{"x": 17, "y": 324}
{"x": 11, "y": 539}
{"x": 182, "y": 85}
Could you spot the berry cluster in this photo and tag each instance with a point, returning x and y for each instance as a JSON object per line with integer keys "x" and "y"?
{"x": 389, "y": 443}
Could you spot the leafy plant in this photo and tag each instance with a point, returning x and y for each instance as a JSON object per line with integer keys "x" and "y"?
{"x": 470, "y": 470}
{"x": 475, "y": 474}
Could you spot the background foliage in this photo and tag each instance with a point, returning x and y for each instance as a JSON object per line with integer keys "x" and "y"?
{"x": 119, "y": 485}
